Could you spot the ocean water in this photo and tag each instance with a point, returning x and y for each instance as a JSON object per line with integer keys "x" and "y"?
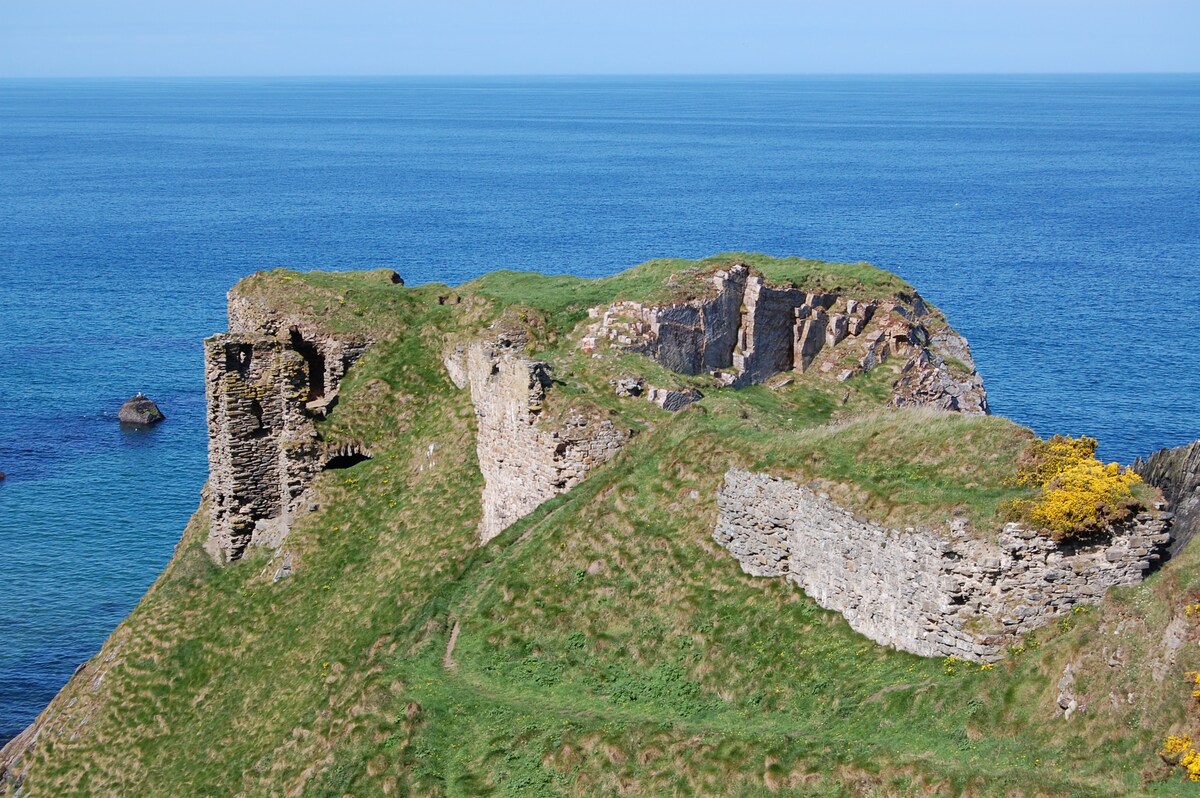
{"x": 1056, "y": 220}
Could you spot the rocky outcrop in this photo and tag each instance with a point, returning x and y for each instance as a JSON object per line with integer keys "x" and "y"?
{"x": 672, "y": 399}
{"x": 140, "y": 411}
{"x": 525, "y": 457}
{"x": 1176, "y": 472}
{"x": 267, "y": 381}
{"x": 917, "y": 590}
{"x": 747, "y": 331}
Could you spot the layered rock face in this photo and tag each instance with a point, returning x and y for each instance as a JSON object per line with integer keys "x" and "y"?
{"x": 1176, "y": 472}
{"x": 267, "y": 381}
{"x": 525, "y": 458}
{"x": 916, "y": 590}
{"x": 757, "y": 330}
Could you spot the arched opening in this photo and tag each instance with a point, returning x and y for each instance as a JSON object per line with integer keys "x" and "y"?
{"x": 315, "y": 362}
{"x": 346, "y": 460}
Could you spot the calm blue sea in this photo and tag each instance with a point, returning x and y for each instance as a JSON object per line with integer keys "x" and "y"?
{"x": 1056, "y": 220}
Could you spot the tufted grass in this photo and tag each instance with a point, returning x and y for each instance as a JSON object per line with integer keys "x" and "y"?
{"x": 607, "y": 646}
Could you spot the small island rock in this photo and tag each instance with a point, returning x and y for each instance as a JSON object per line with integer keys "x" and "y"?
{"x": 140, "y": 411}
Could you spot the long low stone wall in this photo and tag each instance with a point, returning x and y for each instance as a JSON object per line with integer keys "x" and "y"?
{"x": 917, "y": 590}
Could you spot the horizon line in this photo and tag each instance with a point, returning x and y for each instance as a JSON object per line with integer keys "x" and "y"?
{"x": 570, "y": 75}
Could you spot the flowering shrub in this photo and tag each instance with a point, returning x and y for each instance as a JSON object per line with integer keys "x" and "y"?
{"x": 1178, "y": 750}
{"x": 1175, "y": 747}
{"x": 1079, "y": 494}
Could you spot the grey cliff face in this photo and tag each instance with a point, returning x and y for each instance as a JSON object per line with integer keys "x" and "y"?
{"x": 755, "y": 331}
{"x": 1176, "y": 472}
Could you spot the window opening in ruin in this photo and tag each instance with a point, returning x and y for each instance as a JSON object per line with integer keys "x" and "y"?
{"x": 237, "y": 358}
{"x": 315, "y": 362}
{"x": 256, "y": 410}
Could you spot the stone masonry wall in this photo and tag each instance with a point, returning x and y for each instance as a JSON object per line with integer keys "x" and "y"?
{"x": 916, "y": 590}
{"x": 525, "y": 459}
{"x": 255, "y": 388}
{"x": 267, "y": 381}
{"x": 331, "y": 355}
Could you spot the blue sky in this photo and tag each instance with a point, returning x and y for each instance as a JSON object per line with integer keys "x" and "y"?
{"x": 372, "y": 37}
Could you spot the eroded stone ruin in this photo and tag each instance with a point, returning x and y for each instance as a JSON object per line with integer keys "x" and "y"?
{"x": 267, "y": 381}
{"x": 525, "y": 459}
{"x": 917, "y": 590}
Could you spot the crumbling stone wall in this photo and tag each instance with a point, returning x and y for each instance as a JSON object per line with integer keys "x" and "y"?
{"x": 525, "y": 458}
{"x": 250, "y": 314}
{"x": 263, "y": 444}
{"x": 917, "y": 590}
{"x": 256, "y": 388}
{"x": 756, "y": 330}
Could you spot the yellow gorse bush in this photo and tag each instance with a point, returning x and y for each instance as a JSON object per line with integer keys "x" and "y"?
{"x": 1191, "y": 763}
{"x": 1078, "y": 492}
{"x": 1175, "y": 747}
{"x": 1045, "y": 460}
{"x": 1178, "y": 750}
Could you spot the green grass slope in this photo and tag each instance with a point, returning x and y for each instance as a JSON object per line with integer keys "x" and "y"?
{"x": 603, "y": 645}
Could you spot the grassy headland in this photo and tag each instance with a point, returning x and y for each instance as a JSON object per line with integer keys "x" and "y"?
{"x": 603, "y": 645}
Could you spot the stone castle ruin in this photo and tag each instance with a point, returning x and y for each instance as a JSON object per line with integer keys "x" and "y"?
{"x": 744, "y": 333}
{"x": 267, "y": 381}
{"x": 271, "y": 377}
{"x": 524, "y": 459}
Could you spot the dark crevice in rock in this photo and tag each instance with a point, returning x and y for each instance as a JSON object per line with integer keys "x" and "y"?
{"x": 314, "y": 362}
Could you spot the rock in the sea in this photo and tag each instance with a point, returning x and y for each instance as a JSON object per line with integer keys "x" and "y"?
{"x": 140, "y": 411}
